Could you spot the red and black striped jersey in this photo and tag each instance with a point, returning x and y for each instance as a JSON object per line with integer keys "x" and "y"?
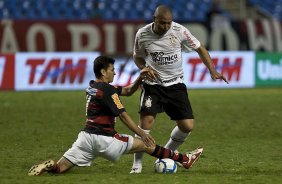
{"x": 103, "y": 105}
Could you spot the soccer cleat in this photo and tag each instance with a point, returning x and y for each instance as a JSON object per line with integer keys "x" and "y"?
{"x": 136, "y": 170}
{"x": 193, "y": 156}
{"x": 40, "y": 168}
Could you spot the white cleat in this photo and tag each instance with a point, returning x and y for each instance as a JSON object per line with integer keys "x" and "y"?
{"x": 40, "y": 168}
{"x": 136, "y": 170}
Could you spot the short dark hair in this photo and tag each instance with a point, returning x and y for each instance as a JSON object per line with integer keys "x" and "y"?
{"x": 162, "y": 9}
{"x": 101, "y": 62}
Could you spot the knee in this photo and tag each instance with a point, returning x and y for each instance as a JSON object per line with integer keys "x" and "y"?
{"x": 146, "y": 121}
{"x": 186, "y": 126}
{"x": 150, "y": 149}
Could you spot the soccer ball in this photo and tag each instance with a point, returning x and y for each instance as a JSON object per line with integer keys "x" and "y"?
{"x": 165, "y": 165}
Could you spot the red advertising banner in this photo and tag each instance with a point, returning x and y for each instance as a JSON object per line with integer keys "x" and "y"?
{"x": 117, "y": 37}
{"x": 49, "y": 36}
{"x": 7, "y": 71}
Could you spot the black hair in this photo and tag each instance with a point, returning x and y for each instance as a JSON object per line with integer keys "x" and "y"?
{"x": 101, "y": 62}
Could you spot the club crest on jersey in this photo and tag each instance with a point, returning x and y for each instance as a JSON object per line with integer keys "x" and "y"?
{"x": 172, "y": 40}
{"x": 148, "y": 102}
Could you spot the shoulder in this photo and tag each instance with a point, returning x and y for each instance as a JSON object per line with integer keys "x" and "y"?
{"x": 182, "y": 32}
{"x": 144, "y": 30}
{"x": 178, "y": 28}
{"x": 110, "y": 89}
{"x": 106, "y": 87}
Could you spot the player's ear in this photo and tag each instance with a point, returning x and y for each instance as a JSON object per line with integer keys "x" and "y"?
{"x": 103, "y": 72}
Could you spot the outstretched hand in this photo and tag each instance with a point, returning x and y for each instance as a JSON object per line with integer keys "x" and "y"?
{"x": 217, "y": 75}
{"x": 149, "y": 74}
{"x": 148, "y": 140}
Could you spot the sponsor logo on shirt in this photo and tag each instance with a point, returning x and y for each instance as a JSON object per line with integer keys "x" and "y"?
{"x": 161, "y": 59}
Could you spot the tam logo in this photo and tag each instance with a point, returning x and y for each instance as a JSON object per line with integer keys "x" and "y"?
{"x": 231, "y": 69}
{"x": 57, "y": 70}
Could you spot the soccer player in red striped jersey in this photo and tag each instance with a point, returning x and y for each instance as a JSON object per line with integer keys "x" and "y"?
{"x": 99, "y": 137}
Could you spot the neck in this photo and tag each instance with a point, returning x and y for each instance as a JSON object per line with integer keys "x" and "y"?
{"x": 100, "y": 80}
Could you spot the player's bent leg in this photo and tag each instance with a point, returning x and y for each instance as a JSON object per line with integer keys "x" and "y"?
{"x": 63, "y": 165}
{"x": 50, "y": 166}
{"x": 186, "y": 160}
{"x": 146, "y": 122}
{"x": 179, "y": 134}
{"x": 138, "y": 147}
{"x": 185, "y": 125}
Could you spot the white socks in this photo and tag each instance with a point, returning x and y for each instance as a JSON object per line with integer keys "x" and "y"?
{"x": 138, "y": 157}
{"x": 177, "y": 137}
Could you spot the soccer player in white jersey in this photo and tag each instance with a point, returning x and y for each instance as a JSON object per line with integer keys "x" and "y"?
{"x": 158, "y": 45}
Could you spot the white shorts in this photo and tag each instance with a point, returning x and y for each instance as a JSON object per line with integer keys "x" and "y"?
{"x": 87, "y": 147}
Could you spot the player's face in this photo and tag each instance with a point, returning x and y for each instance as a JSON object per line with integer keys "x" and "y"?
{"x": 110, "y": 73}
{"x": 162, "y": 24}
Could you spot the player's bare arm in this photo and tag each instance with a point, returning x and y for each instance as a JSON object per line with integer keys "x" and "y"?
{"x": 139, "y": 61}
{"x": 147, "y": 138}
{"x": 205, "y": 57}
{"x": 152, "y": 75}
{"x": 129, "y": 90}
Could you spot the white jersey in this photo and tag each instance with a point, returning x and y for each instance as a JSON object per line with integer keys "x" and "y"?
{"x": 163, "y": 52}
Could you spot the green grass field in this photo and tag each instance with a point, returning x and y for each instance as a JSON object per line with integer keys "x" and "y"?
{"x": 240, "y": 130}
